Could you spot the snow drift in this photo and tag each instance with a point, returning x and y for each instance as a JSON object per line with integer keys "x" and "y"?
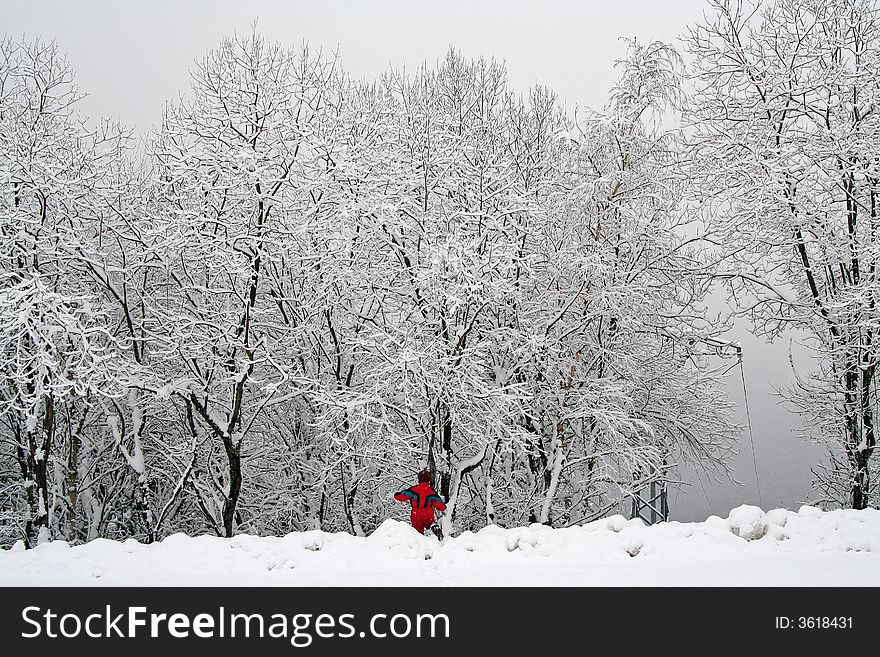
{"x": 750, "y": 547}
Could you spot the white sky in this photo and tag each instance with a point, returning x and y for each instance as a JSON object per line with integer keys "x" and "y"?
{"x": 130, "y": 57}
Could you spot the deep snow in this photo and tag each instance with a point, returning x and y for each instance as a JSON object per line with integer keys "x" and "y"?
{"x": 779, "y": 548}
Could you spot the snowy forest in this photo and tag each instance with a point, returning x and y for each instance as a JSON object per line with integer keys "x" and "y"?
{"x": 302, "y": 288}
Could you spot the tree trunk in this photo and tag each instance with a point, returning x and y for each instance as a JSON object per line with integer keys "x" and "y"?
{"x": 349, "y": 500}
{"x": 231, "y": 501}
{"x": 859, "y": 429}
{"x": 555, "y": 476}
{"x": 446, "y": 444}
{"x": 71, "y": 483}
{"x": 861, "y": 481}
{"x": 455, "y": 480}
{"x": 39, "y": 460}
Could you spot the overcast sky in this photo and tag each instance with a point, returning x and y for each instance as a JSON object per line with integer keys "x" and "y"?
{"x": 130, "y": 57}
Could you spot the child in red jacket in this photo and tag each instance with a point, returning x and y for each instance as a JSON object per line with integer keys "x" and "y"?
{"x": 424, "y": 500}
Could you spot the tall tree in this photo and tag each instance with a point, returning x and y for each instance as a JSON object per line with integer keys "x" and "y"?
{"x": 239, "y": 168}
{"x": 59, "y": 350}
{"x": 785, "y": 153}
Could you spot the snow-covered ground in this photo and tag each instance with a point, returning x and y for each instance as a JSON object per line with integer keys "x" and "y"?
{"x": 780, "y": 548}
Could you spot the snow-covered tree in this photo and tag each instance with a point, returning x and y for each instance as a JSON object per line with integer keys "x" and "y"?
{"x": 619, "y": 391}
{"x": 786, "y": 132}
{"x": 240, "y": 167}
{"x": 59, "y": 351}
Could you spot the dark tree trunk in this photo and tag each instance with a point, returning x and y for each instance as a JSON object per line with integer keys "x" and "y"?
{"x": 35, "y": 468}
{"x": 72, "y": 492}
{"x": 229, "y": 505}
{"x": 859, "y": 428}
{"x": 861, "y": 485}
{"x": 446, "y": 444}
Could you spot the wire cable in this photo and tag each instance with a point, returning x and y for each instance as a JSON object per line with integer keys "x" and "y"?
{"x": 751, "y": 435}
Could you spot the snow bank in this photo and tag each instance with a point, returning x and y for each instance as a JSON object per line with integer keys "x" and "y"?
{"x": 749, "y": 547}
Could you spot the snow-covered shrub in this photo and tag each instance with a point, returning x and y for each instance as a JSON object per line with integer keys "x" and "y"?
{"x": 777, "y": 517}
{"x": 615, "y": 523}
{"x": 748, "y": 522}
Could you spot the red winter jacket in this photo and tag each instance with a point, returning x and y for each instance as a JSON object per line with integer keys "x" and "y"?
{"x": 424, "y": 500}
